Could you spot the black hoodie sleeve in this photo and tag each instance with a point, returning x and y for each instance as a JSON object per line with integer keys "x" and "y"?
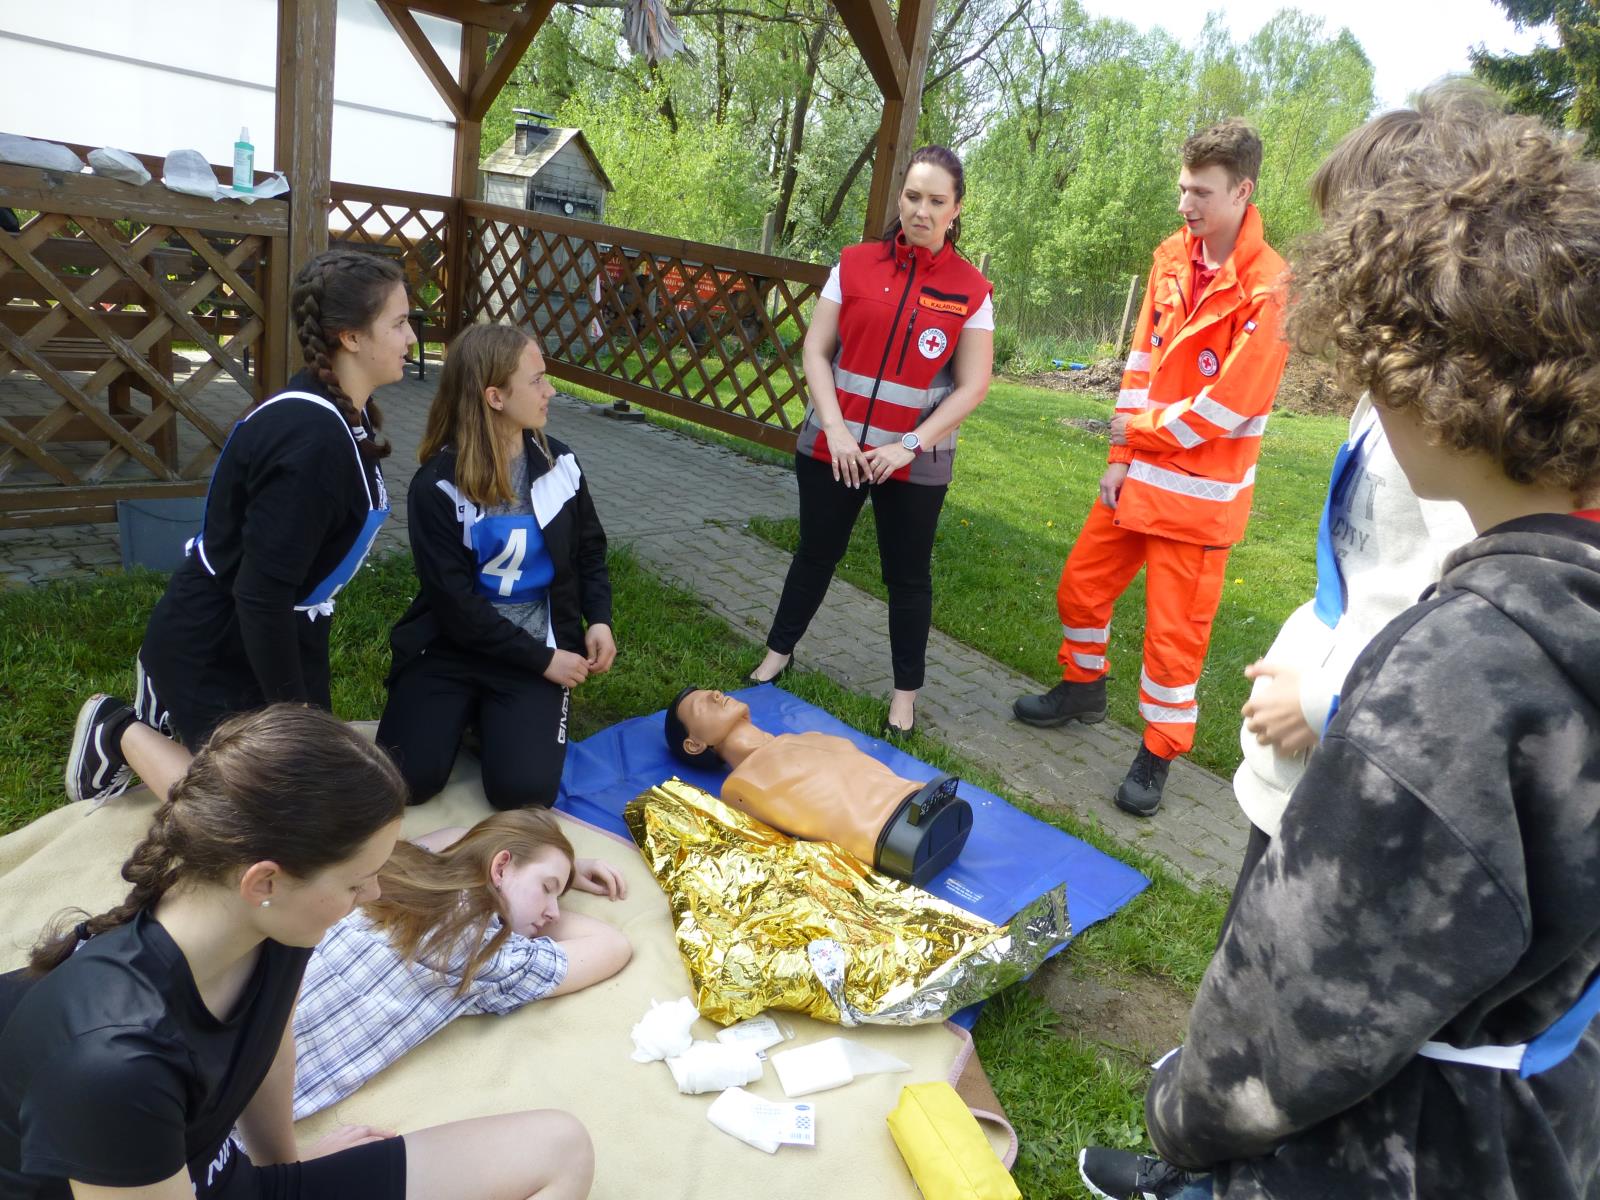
{"x": 290, "y": 516}
{"x": 446, "y": 570}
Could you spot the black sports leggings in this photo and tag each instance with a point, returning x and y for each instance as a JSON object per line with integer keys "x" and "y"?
{"x": 907, "y": 515}
{"x": 521, "y": 719}
{"x": 375, "y": 1171}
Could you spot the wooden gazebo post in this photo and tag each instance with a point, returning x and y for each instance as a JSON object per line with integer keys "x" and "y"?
{"x": 897, "y": 56}
{"x": 304, "y": 152}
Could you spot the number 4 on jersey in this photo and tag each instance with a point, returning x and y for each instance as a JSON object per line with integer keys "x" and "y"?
{"x": 507, "y": 565}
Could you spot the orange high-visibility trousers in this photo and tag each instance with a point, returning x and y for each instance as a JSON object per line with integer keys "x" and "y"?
{"x": 1183, "y": 586}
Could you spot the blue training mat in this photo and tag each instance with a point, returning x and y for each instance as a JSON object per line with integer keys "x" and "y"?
{"x": 1009, "y": 859}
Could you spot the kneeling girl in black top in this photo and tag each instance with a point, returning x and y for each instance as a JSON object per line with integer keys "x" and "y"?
{"x": 512, "y": 562}
{"x": 159, "y": 1027}
{"x": 295, "y": 501}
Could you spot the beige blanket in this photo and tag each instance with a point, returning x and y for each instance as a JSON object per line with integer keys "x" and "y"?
{"x": 571, "y": 1052}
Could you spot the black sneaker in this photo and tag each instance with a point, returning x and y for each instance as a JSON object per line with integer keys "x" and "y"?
{"x": 1140, "y": 793}
{"x": 1067, "y": 701}
{"x": 96, "y": 769}
{"x": 1123, "y": 1175}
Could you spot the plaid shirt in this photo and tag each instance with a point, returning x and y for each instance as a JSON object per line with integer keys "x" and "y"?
{"x": 362, "y": 1007}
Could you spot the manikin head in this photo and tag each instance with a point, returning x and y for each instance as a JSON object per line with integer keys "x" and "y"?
{"x": 1220, "y": 165}
{"x": 698, "y": 721}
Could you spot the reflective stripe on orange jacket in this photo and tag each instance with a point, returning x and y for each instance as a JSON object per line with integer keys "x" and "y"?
{"x": 1199, "y": 383}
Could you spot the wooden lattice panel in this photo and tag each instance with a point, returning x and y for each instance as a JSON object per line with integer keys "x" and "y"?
{"x": 703, "y": 332}
{"x": 411, "y": 227}
{"x": 94, "y": 291}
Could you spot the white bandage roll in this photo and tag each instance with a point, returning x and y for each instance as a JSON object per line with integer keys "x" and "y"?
{"x": 664, "y": 1030}
{"x": 711, "y": 1067}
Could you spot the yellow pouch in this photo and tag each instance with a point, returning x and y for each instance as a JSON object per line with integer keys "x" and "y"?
{"x": 948, "y": 1154}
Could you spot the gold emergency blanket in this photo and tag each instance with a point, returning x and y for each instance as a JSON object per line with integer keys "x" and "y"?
{"x": 766, "y": 921}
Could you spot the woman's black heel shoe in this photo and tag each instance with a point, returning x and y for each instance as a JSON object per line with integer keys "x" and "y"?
{"x": 783, "y": 670}
{"x": 898, "y": 733}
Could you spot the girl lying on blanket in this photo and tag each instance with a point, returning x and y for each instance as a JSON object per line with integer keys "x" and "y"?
{"x": 468, "y": 921}
{"x": 369, "y": 995}
{"x": 159, "y": 1026}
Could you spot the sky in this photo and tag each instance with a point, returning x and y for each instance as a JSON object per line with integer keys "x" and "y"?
{"x": 1411, "y": 42}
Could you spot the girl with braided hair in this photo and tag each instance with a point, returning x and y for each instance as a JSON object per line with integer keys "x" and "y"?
{"x": 296, "y": 498}
{"x": 154, "y": 1057}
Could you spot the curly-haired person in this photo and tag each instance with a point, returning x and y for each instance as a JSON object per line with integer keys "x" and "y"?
{"x": 1404, "y": 1002}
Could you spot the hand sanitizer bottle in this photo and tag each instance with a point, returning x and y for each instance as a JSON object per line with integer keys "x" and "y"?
{"x": 244, "y": 163}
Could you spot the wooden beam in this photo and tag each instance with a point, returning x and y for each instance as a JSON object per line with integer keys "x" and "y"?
{"x": 464, "y": 176}
{"x": 897, "y": 131}
{"x": 468, "y": 12}
{"x": 304, "y": 145}
{"x": 874, "y": 36}
{"x": 454, "y": 96}
{"x": 505, "y": 61}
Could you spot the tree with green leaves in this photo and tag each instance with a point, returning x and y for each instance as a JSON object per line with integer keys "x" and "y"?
{"x": 1559, "y": 83}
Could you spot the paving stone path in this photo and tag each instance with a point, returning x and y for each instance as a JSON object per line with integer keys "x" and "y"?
{"x": 682, "y": 504}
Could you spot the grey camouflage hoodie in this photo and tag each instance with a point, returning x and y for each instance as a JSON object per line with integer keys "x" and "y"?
{"x": 1436, "y": 877}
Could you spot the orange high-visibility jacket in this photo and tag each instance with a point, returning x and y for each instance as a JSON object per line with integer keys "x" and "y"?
{"x": 1198, "y": 387}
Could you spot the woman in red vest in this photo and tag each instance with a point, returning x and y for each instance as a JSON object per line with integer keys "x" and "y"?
{"x": 899, "y": 352}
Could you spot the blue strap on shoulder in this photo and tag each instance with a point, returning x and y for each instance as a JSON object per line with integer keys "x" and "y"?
{"x": 1332, "y": 596}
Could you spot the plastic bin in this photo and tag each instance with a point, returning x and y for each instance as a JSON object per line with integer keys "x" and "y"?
{"x": 154, "y": 532}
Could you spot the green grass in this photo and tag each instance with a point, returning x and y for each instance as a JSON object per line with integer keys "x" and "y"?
{"x": 1024, "y": 482}
{"x": 62, "y": 641}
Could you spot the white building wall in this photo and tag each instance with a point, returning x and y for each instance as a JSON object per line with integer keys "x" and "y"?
{"x": 161, "y": 75}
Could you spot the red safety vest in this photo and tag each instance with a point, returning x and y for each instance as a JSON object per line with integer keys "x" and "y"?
{"x": 1199, "y": 384}
{"x": 902, "y": 311}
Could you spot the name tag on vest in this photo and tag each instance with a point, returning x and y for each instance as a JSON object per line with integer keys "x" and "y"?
{"x": 958, "y": 307}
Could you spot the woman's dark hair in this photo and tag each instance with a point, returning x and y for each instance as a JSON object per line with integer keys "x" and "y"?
{"x": 288, "y": 784}
{"x": 676, "y": 731}
{"x": 945, "y": 159}
{"x": 336, "y": 292}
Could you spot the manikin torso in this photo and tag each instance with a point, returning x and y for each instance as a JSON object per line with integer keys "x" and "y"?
{"x": 818, "y": 787}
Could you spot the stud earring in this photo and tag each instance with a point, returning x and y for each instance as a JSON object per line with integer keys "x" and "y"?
{"x": 266, "y": 904}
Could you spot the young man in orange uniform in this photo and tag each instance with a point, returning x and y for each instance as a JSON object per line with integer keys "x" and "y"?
{"x": 1207, "y": 357}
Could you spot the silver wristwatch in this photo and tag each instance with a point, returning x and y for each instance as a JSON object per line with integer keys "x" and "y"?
{"x": 911, "y": 442}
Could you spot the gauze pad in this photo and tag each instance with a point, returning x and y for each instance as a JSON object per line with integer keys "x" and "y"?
{"x": 830, "y": 1064}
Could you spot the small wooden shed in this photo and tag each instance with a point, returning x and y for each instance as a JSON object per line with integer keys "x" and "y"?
{"x": 547, "y": 169}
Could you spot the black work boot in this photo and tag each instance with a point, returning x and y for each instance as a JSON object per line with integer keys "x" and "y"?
{"x": 1067, "y": 701}
{"x": 1140, "y": 792}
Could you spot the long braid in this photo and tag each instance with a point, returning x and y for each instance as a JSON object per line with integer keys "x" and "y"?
{"x": 338, "y": 291}
{"x": 290, "y": 784}
{"x": 152, "y": 868}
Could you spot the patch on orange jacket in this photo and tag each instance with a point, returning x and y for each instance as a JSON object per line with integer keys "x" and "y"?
{"x": 950, "y": 306}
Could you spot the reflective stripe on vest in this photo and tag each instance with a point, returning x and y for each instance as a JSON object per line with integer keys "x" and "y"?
{"x": 1188, "y": 485}
{"x": 1552, "y": 1047}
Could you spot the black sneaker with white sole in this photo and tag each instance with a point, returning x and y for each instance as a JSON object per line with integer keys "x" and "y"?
{"x": 1123, "y": 1175}
{"x": 96, "y": 769}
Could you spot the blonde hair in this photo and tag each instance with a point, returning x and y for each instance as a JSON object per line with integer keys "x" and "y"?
{"x": 483, "y": 357}
{"x": 434, "y": 902}
{"x": 1465, "y": 289}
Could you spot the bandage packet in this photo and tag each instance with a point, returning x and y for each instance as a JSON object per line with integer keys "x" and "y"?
{"x": 758, "y": 1034}
{"x": 764, "y": 1124}
{"x": 829, "y": 1064}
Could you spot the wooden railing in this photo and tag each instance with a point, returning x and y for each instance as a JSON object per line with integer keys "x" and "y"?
{"x": 414, "y": 228}
{"x": 702, "y": 332}
{"x": 102, "y": 280}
